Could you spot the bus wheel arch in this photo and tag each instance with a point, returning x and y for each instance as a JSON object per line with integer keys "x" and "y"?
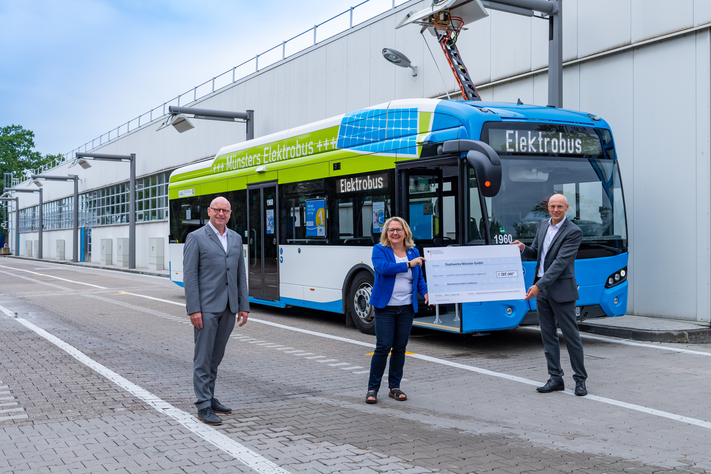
{"x": 361, "y": 312}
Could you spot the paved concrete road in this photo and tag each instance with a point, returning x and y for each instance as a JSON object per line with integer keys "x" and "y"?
{"x": 96, "y": 377}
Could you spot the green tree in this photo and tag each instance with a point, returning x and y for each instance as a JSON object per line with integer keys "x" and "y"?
{"x": 17, "y": 154}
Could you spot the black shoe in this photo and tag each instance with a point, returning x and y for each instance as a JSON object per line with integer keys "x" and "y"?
{"x": 552, "y": 386}
{"x": 218, "y": 407}
{"x": 207, "y": 416}
{"x": 580, "y": 389}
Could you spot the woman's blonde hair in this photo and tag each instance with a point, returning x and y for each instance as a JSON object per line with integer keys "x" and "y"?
{"x": 385, "y": 239}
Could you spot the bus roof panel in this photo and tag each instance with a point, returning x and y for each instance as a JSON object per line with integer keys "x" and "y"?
{"x": 389, "y": 129}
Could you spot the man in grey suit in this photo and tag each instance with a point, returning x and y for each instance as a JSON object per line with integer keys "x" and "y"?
{"x": 555, "y": 289}
{"x": 215, "y": 282}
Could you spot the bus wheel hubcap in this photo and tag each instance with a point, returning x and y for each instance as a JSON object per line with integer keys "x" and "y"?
{"x": 361, "y": 303}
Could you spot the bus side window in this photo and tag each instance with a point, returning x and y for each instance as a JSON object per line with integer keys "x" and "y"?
{"x": 361, "y": 204}
{"x": 293, "y": 199}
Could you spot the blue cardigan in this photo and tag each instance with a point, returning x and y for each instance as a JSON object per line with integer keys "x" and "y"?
{"x": 386, "y": 269}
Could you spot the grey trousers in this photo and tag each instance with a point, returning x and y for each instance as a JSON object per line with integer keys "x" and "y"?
{"x": 210, "y": 343}
{"x": 550, "y": 312}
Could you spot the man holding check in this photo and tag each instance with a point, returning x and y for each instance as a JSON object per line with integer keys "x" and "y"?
{"x": 555, "y": 289}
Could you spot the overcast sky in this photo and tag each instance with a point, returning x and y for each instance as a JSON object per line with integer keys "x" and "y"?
{"x": 72, "y": 70}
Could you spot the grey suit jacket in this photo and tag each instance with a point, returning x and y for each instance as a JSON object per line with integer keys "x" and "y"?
{"x": 212, "y": 278}
{"x": 559, "y": 268}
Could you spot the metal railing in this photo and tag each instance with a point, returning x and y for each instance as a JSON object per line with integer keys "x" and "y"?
{"x": 326, "y": 28}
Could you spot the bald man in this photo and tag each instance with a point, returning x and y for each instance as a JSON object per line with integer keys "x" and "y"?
{"x": 555, "y": 289}
{"x": 215, "y": 282}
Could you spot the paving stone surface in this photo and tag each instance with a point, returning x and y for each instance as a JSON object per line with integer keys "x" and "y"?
{"x": 298, "y": 397}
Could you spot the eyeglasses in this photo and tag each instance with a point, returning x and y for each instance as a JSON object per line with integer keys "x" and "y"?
{"x": 396, "y": 231}
{"x": 223, "y": 211}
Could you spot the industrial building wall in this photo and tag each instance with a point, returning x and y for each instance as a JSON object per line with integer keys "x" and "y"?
{"x": 642, "y": 65}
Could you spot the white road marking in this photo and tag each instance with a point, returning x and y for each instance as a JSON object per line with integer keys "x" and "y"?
{"x": 243, "y": 454}
{"x": 8, "y": 410}
{"x": 51, "y": 276}
{"x": 77, "y": 269}
{"x": 513, "y": 378}
{"x": 353, "y": 367}
{"x": 338, "y": 364}
{"x": 12, "y": 404}
{"x": 316, "y": 357}
{"x": 34, "y": 280}
{"x": 627, "y": 342}
{"x": 304, "y": 354}
{"x": 327, "y": 360}
{"x": 13, "y": 417}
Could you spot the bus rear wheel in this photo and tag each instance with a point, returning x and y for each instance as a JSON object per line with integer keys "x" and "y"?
{"x": 362, "y": 312}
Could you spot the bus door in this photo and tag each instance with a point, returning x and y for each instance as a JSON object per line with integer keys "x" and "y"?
{"x": 263, "y": 252}
{"x": 429, "y": 200}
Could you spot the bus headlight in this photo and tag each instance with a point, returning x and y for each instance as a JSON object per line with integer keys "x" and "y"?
{"x": 616, "y": 278}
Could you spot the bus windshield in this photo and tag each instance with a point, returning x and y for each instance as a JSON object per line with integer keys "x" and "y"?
{"x": 591, "y": 186}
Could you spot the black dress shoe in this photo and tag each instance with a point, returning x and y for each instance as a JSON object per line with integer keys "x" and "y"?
{"x": 207, "y": 416}
{"x": 552, "y": 386}
{"x": 218, "y": 407}
{"x": 580, "y": 389}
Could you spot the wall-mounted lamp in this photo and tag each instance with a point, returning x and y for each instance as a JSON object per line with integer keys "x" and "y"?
{"x": 178, "y": 119}
{"x": 398, "y": 59}
{"x": 180, "y": 122}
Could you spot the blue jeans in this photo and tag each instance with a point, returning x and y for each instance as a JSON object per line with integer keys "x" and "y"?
{"x": 392, "y": 331}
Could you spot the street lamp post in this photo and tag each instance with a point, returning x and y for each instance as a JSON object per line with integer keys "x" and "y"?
{"x": 81, "y": 159}
{"x": 177, "y": 118}
{"x": 17, "y": 222}
{"x": 75, "y": 178}
{"x": 41, "y": 215}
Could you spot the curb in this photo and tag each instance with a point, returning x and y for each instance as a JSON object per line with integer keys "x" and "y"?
{"x": 85, "y": 265}
{"x": 690, "y": 336}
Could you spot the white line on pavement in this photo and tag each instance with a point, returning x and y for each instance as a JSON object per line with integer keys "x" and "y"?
{"x": 51, "y": 276}
{"x": 513, "y": 378}
{"x": 14, "y": 417}
{"x": 627, "y": 342}
{"x": 209, "y": 434}
{"x": 77, "y": 269}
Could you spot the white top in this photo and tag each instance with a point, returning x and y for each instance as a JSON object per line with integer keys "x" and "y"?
{"x": 550, "y": 235}
{"x": 402, "y": 291}
{"x": 223, "y": 237}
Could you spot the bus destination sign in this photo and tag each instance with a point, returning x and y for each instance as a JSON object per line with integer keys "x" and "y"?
{"x": 555, "y": 141}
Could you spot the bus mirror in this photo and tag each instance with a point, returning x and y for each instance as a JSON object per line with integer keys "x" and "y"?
{"x": 483, "y": 158}
{"x": 488, "y": 170}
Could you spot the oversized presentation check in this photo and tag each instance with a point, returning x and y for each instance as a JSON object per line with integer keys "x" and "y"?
{"x": 473, "y": 274}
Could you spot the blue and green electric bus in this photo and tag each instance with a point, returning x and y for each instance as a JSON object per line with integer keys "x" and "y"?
{"x": 310, "y": 202}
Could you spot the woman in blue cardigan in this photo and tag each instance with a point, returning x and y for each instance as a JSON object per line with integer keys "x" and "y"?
{"x": 398, "y": 279}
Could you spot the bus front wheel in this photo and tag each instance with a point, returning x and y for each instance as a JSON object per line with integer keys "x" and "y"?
{"x": 362, "y": 312}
